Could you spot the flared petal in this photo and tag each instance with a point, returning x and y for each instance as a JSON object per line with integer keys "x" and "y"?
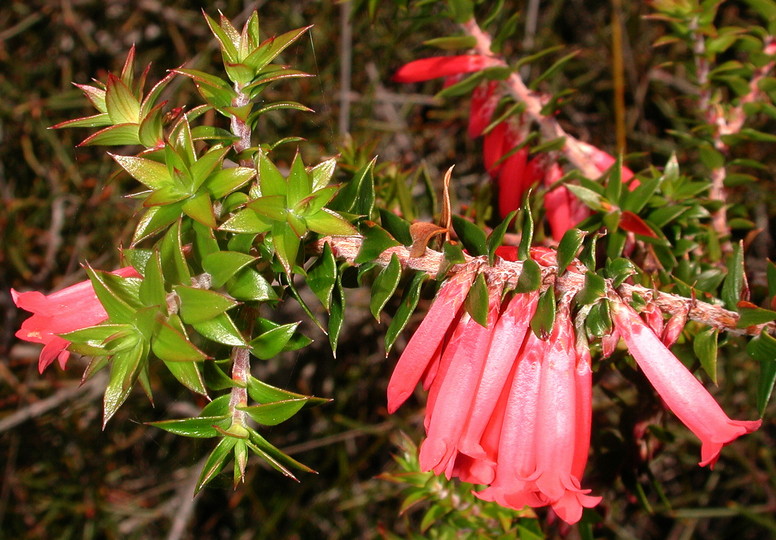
{"x": 679, "y": 389}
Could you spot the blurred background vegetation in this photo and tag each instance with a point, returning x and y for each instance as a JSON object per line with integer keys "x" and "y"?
{"x": 62, "y": 477}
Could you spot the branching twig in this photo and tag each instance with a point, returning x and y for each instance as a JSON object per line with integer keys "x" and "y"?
{"x": 572, "y": 281}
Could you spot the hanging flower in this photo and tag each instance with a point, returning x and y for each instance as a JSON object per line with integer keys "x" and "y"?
{"x": 72, "y": 308}
{"x": 679, "y": 389}
{"x": 426, "y": 69}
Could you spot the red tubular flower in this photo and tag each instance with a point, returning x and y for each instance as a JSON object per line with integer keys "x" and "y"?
{"x": 505, "y": 345}
{"x": 679, "y": 389}
{"x": 72, "y": 308}
{"x": 512, "y": 182}
{"x": 564, "y": 210}
{"x": 558, "y": 433}
{"x": 496, "y": 143}
{"x": 484, "y": 101}
{"x": 602, "y": 161}
{"x": 426, "y": 69}
{"x": 453, "y": 403}
{"x": 419, "y": 352}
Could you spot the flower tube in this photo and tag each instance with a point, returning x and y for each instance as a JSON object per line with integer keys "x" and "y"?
{"x": 679, "y": 389}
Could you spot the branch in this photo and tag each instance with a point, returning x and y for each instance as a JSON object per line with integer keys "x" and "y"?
{"x": 571, "y": 282}
{"x": 576, "y": 151}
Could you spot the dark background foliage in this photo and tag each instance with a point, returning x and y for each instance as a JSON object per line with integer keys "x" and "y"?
{"x": 62, "y": 477}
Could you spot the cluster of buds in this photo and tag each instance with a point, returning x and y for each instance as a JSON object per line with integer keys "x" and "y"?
{"x": 511, "y": 408}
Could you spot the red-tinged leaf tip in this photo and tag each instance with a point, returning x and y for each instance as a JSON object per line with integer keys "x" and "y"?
{"x": 442, "y": 66}
{"x": 633, "y": 223}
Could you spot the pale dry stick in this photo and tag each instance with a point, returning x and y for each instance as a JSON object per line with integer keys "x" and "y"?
{"x": 346, "y": 66}
{"x": 92, "y": 389}
{"x": 576, "y": 151}
{"x": 572, "y": 281}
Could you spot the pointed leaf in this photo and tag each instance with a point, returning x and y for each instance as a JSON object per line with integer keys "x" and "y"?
{"x": 271, "y": 343}
{"x": 272, "y": 414}
{"x": 200, "y": 427}
{"x": 215, "y": 462}
{"x": 763, "y": 349}
{"x": 408, "y": 304}
{"x": 172, "y": 345}
{"x": 530, "y": 277}
{"x": 188, "y": 375}
{"x": 223, "y": 265}
{"x": 375, "y": 241}
{"x": 544, "y": 318}
{"x": 477, "y": 300}
{"x": 568, "y": 248}
{"x": 705, "y": 348}
{"x": 733, "y": 286}
{"x": 322, "y": 275}
{"x": 221, "y": 329}
{"x": 200, "y": 305}
{"x": 471, "y": 236}
{"x": 384, "y": 286}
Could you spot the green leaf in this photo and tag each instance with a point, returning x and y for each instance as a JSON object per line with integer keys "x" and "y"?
{"x": 398, "y": 227}
{"x": 176, "y": 269}
{"x": 598, "y": 321}
{"x": 250, "y": 285}
{"x": 299, "y": 182}
{"x": 763, "y": 349}
{"x": 200, "y": 208}
{"x": 223, "y": 265}
{"x": 221, "y": 329}
{"x": 262, "y": 392}
{"x": 496, "y": 237}
{"x": 733, "y": 286}
{"x": 472, "y": 237}
{"x": 568, "y": 248}
{"x": 705, "y": 348}
{"x": 336, "y": 313}
{"x": 200, "y": 427}
{"x": 753, "y": 316}
{"x": 619, "y": 270}
{"x": 155, "y": 220}
{"x": 271, "y": 343}
{"x": 215, "y": 462}
{"x": 271, "y": 181}
{"x": 124, "y": 370}
{"x": 286, "y": 244}
{"x": 188, "y": 375}
{"x": 375, "y": 241}
{"x": 477, "y": 300}
{"x": 111, "y": 299}
{"x": 594, "y": 289}
{"x": 587, "y": 196}
{"x": 384, "y": 286}
{"x": 408, "y": 304}
{"x": 118, "y": 135}
{"x": 152, "y": 291}
{"x": 526, "y": 231}
{"x": 358, "y": 195}
{"x": 544, "y": 318}
{"x": 148, "y": 172}
{"x": 322, "y": 275}
{"x": 246, "y": 221}
{"x": 530, "y": 278}
{"x": 322, "y": 173}
{"x": 451, "y": 43}
{"x": 200, "y": 305}
{"x": 328, "y": 222}
{"x": 123, "y": 107}
{"x": 272, "y": 414}
{"x": 172, "y": 345}
{"x": 634, "y": 201}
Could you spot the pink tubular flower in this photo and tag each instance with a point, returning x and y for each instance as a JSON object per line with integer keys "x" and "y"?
{"x": 602, "y": 161}
{"x": 426, "y": 69}
{"x": 484, "y": 101}
{"x": 564, "y": 210}
{"x": 420, "y": 350}
{"x": 679, "y": 389}
{"x": 72, "y": 308}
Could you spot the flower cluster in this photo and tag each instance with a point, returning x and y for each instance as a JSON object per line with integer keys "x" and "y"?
{"x": 505, "y": 156}
{"x": 512, "y": 410}
{"x": 72, "y": 308}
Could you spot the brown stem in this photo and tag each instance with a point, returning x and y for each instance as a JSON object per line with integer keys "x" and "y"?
{"x": 572, "y": 281}
{"x": 241, "y": 370}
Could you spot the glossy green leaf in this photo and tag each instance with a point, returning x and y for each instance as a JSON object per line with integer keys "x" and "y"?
{"x": 328, "y": 222}
{"x": 753, "y": 316}
{"x": 593, "y": 291}
{"x": 262, "y": 392}
{"x": 172, "y": 345}
{"x": 375, "y": 241}
{"x": 619, "y": 270}
{"x": 733, "y": 286}
{"x": 124, "y": 370}
{"x": 763, "y": 349}
{"x": 118, "y": 135}
{"x": 452, "y": 43}
{"x": 587, "y": 196}
{"x": 152, "y": 291}
{"x": 176, "y": 269}
{"x": 215, "y": 462}
{"x": 223, "y": 265}
{"x": 477, "y": 300}
{"x": 188, "y": 375}
{"x": 221, "y": 329}
{"x": 322, "y": 173}
{"x": 336, "y": 313}
{"x": 200, "y": 305}
{"x": 384, "y": 286}
{"x": 271, "y": 343}
{"x": 216, "y": 379}
{"x": 148, "y": 172}
{"x": 200, "y": 427}
{"x": 246, "y": 221}
{"x": 272, "y": 414}
{"x": 526, "y": 230}
{"x": 358, "y": 195}
{"x": 117, "y": 307}
{"x": 407, "y": 307}
{"x": 155, "y": 220}
{"x": 251, "y": 285}
{"x": 299, "y": 182}
{"x": 544, "y": 318}
{"x": 271, "y": 181}
{"x": 530, "y": 278}
{"x": 322, "y": 275}
{"x": 472, "y": 237}
{"x": 496, "y": 237}
{"x": 568, "y": 248}
{"x": 286, "y": 244}
{"x": 705, "y": 348}
{"x": 122, "y": 106}
{"x": 396, "y": 226}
